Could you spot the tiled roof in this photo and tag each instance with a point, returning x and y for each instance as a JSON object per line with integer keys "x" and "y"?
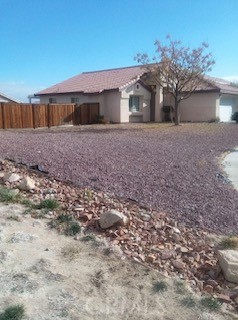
{"x": 96, "y": 82}
{"x": 224, "y": 85}
{"x": 99, "y": 81}
{"x": 228, "y": 88}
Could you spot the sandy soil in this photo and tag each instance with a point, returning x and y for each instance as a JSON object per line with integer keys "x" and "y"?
{"x": 58, "y": 277}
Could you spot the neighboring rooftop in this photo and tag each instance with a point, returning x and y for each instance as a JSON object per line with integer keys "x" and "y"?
{"x": 5, "y": 98}
{"x": 111, "y": 79}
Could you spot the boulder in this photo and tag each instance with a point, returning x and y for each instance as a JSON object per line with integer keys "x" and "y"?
{"x": 178, "y": 264}
{"x": 27, "y": 184}
{"x": 112, "y": 218}
{"x": 228, "y": 261}
{"x": 11, "y": 177}
{"x": 2, "y": 174}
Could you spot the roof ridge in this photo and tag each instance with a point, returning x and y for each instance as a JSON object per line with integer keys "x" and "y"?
{"x": 217, "y": 79}
{"x": 120, "y": 68}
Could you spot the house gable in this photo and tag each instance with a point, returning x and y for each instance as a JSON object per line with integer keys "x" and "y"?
{"x": 5, "y": 98}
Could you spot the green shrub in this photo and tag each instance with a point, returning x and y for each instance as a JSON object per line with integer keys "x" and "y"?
{"x": 16, "y": 312}
{"x": 210, "y": 303}
{"x": 235, "y": 116}
{"x": 67, "y": 224}
{"x": 99, "y": 120}
{"x": 72, "y": 228}
{"x": 7, "y": 195}
{"x": 230, "y": 242}
{"x": 160, "y": 286}
{"x": 48, "y": 204}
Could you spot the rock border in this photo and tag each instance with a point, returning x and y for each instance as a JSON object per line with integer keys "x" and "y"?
{"x": 149, "y": 237}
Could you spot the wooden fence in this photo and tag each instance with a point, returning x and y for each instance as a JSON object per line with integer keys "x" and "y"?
{"x": 19, "y": 116}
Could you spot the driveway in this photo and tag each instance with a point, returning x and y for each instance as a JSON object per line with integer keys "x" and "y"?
{"x": 173, "y": 169}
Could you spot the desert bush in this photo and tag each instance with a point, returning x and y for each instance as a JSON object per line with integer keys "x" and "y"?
{"x": 72, "y": 228}
{"x": 48, "y": 204}
{"x": 16, "y": 312}
{"x": 235, "y": 116}
{"x": 7, "y": 195}
{"x": 210, "y": 303}
{"x": 99, "y": 119}
{"x": 160, "y": 286}
{"x": 230, "y": 242}
{"x": 66, "y": 224}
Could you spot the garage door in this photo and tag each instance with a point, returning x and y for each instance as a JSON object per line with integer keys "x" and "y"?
{"x": 225, "y": 113}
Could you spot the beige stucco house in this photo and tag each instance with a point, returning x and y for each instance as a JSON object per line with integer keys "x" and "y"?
{"x": 125, "y": 95}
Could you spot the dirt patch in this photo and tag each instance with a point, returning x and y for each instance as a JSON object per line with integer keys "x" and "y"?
{"x": 57, "y": 277}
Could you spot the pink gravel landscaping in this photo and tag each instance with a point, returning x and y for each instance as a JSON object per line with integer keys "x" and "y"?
{"x": 172, "y": 169}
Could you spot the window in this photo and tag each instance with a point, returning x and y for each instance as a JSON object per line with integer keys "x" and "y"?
{"x": 134, "y": 103}
{"x": 52, "y": 100}
{"x": 74, "y": 100}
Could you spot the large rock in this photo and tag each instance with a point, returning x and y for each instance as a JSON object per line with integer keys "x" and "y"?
{"x": 112, "y": 218}
{"x": 228, "y": 260}
{"x": 11, "y": 177}
{"x": 27, "y": 184}
{"x": 2, "y": 174}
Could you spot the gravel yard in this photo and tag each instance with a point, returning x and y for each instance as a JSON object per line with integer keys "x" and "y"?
{"x": 173, "y": 169}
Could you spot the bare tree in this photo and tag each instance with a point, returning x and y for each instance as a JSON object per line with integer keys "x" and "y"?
{"x": 178, "y": 69}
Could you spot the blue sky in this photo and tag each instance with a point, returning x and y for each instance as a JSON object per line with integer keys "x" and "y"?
{"x": 47, "y": 41}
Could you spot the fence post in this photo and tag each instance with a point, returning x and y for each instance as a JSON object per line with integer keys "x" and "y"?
{"x": 48, "y": 114}
{"x": 74, "y": 114}
{"x": 89, "y": 113}
{"x": 33, "y": 116}
{"x": 3, "y": 115}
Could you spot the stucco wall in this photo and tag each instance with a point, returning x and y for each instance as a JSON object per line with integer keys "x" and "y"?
{"x": 200, "y": 107}
{"x": 144, "y": 113}
{"x": 66, "y": 98}
{"x": 109, "y": 102}
{"x": 111, "y": 109}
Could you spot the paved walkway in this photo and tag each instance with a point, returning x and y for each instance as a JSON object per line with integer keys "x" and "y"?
{"x": 231, "y": 167}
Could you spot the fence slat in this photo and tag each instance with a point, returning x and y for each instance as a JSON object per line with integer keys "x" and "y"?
{"x": 27, "y": 116}
{"x": 1, "y": 117}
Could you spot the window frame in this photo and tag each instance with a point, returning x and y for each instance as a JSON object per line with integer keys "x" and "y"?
{"x": 74, "y": 100}
{"x": 132, "y": 105}
{"x": 52, "y": 100}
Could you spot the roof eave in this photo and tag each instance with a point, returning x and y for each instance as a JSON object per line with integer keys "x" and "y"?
{"x": 229, "y": 92}
{"x": 75, "y": 92}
